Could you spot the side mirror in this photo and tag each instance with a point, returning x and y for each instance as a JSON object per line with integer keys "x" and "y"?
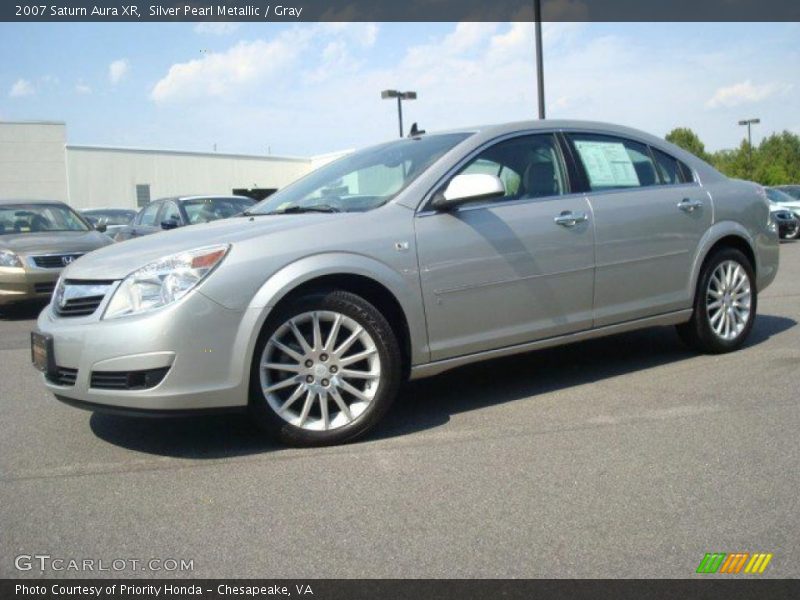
{"x": 101, "y": 227}
{"x": 468, "y": 187}
{"x": 169, "y": 224}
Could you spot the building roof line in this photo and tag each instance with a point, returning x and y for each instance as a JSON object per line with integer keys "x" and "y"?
{"x": 275, "y": 157}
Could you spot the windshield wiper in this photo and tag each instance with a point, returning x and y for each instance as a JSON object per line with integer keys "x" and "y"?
{"x": 296, "y": 210}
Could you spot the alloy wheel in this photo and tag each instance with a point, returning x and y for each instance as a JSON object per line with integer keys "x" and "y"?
{"x": 728, "y": 300}
{"x": 320, "y": 370}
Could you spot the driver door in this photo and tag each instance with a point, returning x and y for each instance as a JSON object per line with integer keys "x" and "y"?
{"x": 504, "y": 272}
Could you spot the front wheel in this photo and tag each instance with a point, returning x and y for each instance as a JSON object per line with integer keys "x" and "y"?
{"x": 325, "y": 370}
{"x": 724, "y": 306}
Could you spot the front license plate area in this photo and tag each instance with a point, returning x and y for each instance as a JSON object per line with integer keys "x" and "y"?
{"x": 42, "y": 352}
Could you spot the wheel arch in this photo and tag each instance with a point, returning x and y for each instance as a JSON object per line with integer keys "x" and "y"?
{"x": 391, "y": 292}
{"x": 726, "y": 234}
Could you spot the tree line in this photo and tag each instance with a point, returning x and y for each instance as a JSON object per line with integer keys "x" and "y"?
{"x": 775, "y": 161}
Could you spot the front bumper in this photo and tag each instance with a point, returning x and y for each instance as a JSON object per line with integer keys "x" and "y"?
{"x": 205, "y": 346}
{"x": 19, "y": 284}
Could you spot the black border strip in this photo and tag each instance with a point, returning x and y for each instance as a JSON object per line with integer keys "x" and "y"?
{"x": 401, "y": 11}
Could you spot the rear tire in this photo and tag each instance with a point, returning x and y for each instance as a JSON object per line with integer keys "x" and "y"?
{"x": 325, "y": 370}
{"x": 724, "y": 305}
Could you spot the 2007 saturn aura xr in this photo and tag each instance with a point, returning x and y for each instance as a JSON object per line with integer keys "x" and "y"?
{"x": 405, "y": 260}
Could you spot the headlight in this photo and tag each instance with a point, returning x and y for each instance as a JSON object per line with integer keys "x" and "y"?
{"x": 164, "y": 281}
{"x": 9, "y": 259}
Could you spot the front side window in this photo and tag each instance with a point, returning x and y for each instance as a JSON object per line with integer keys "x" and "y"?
{"x": 363, "y": 180}
{"x": 148, "y": 217}
{"x": 614, "y": 163}
{"x": 529, "y": 167}
{"x": 37, "y": 218}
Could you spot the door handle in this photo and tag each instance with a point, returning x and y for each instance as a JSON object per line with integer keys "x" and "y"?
{"x": 687, "y": 205}
{"x": 570, "y": 219}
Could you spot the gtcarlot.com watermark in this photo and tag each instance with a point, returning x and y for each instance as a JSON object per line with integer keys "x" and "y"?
{"x": 46, "y": 563}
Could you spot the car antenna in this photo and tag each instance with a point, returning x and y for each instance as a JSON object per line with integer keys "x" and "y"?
{"x": 415, "y": 131}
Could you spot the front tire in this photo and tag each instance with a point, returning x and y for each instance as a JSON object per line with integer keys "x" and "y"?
{"x": 325, "y": 370}
{"x": 724, "y": 306}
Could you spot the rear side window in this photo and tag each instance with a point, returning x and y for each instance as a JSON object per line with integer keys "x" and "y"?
{"x": 614, "y": 163}
{"x": 670, "y": 169}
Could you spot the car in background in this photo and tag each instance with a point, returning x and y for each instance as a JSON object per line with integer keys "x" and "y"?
{"x": 114, "y": 219}
{"x": 179, "y": 211}
{"x": 37, "y": 240}
{"x": 791, "y": 190}
{"x": 788, "y": 223}
{"x": 780, "y": 199}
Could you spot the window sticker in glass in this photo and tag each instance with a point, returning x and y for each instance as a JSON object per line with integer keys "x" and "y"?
{"x": 607, "y": 164}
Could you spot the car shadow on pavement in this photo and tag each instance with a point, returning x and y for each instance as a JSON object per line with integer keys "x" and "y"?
{"x": 429, "y": 403}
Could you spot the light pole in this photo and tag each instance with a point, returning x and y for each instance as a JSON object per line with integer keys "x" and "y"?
{"x": 537, "y": 17}
{"x": 400, "y": 97}
{"x": 749, "y": 122}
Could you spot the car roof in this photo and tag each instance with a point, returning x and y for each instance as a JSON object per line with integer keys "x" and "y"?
{"x": 203, "y": 197}
{"x": 11, "y": 201}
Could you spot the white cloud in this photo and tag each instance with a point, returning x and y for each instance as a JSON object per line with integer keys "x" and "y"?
{"x": 82, "y": 88}
{"x": 117, "y": 70}
{"x": 21, "y": 87}
{"x": 741, "y": 93}
{"x": 216, "y": 27}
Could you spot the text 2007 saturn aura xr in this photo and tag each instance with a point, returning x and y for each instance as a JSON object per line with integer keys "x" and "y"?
{"x": 404, "y": 260}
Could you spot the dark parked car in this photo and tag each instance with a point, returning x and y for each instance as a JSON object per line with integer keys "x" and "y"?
{"x": 171, "y": 213}
{"x": 113, "y": 218}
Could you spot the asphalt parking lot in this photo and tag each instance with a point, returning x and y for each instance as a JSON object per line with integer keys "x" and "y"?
{"x": 623, "y": 457}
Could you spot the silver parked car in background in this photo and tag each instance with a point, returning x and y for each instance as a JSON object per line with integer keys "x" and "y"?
{"x": 405, "y": 260}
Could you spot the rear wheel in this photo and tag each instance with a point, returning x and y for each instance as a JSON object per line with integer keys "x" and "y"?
{"x": 725, "y": 304}
{"x": 325, "y": 370}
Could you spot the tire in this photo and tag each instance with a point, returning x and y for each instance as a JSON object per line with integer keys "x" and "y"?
{"x": 705, "y": 331}
{"x": 315, "y": 394}
{"x": 793, "y": 235}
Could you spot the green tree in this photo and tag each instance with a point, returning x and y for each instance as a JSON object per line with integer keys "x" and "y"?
{"x": 777, "y": 159}
{"x": 689, "y": 141}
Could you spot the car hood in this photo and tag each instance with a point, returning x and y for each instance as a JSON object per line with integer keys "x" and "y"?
{"x": 121, "y": 259}
{"x": 53, "y": 242}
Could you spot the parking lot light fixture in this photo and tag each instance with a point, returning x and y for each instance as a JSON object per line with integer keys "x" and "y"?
{"x": 749, "y": 122}
{"x": 385, "y": 94}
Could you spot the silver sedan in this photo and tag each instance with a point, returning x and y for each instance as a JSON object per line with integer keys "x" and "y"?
{"x": 402, "y": 261}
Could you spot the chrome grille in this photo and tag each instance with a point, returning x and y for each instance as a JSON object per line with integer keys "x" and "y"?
{"x": 77, "y": 298}
{"x": 128, "y": 380}
{"x": 55, "y": 261}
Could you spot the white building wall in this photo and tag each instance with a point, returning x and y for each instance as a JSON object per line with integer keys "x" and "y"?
{"x": 106, "y": 177}
{"x": 32, "y": 162}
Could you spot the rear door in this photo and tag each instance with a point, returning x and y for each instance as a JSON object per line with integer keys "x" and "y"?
{"x": 649, "y": 217}
{"x": 506, "y": 271}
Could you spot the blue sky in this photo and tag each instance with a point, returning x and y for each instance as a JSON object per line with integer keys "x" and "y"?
{"x": 308, "y": 89}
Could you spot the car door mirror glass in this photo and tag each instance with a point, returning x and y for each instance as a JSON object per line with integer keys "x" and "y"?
{"x": 469, "y": 187}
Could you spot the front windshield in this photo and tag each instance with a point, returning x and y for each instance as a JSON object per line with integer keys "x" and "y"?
{"x": 777, "y": 196}
{"x": 110, "y": 217}
{"x": 793, "y": 191}
{"x": 38, "y": 218}
{"x": 363, "y": 180}
{"x": 203, "y": 210}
